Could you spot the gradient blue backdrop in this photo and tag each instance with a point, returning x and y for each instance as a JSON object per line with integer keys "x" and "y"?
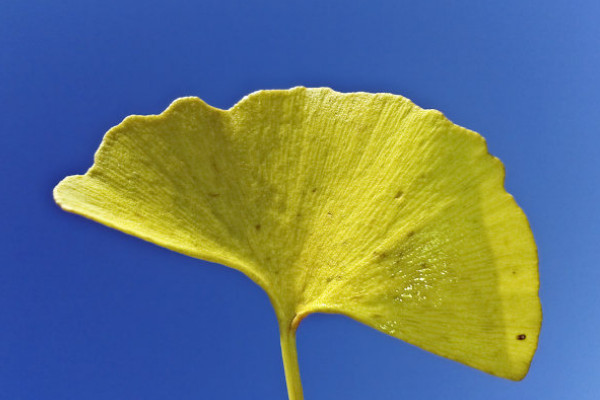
{"x": 90, "y": 313}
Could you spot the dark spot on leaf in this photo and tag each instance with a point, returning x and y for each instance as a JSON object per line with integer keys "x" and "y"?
{"x": 514, "y": 272}
{"x": 521, "y": 337}
{"x": 257, "y": 226}
{"x": 399, "y": 194}
{"x": 314, "y": 190}
{"x": 411, "y": 233}
{"x": 214, "y": 194}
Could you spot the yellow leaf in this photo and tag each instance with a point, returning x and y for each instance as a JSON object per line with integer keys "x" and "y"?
{"x": 360, "y": 204}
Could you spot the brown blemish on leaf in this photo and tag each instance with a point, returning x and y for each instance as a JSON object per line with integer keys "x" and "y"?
{"x": 257, "y": 227}
{"x": 399, "y": 194}
{"x": 522, "y": 336}
{"x": 214, "y": 165}
{"x": 214, "y": 194}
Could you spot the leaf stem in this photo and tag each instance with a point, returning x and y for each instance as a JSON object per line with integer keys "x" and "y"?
{"x": 287, "y": 334}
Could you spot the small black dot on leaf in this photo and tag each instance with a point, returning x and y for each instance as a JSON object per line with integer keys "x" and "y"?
{"x": 521, "y": 337}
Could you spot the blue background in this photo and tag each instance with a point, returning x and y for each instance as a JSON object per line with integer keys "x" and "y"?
{"x": 87, "y": 312}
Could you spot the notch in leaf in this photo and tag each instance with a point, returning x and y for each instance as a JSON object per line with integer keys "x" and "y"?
{"x": 360, "y": 204}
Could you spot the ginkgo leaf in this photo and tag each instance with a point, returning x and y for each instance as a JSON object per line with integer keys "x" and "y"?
{"x": 360, "y": 204}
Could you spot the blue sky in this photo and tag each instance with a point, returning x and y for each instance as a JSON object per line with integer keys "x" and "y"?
{"x": 87, "y": 312}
